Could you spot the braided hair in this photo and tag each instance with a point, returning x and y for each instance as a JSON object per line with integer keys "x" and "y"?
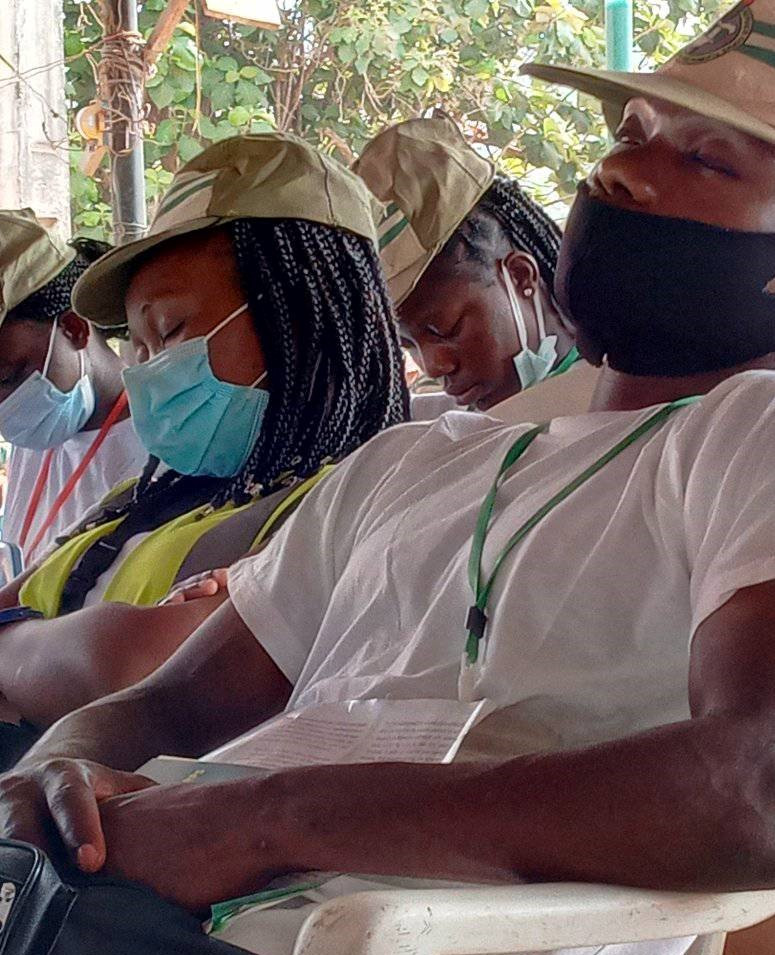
{"x": 505, "y": 211}
{"x": 326, "y": 326}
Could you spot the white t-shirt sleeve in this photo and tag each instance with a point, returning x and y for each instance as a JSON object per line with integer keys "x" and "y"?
{"x": 729, "y": 503}
{"x": 282, "y": 594}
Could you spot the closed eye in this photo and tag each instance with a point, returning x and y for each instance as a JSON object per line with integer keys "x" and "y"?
{"x": 714, "y": 164}
{"x": 168, "y": 336}
{"x": 450, "y": 333}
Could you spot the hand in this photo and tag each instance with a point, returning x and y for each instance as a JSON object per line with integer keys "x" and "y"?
{"x": 191, "y": 843}
{"x": 209, "y": 584}
{"x": 60, "y": 798}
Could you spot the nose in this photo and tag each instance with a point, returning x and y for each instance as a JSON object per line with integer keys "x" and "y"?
{"x": 438, "y": 360}
{"x": 631, "y": 177}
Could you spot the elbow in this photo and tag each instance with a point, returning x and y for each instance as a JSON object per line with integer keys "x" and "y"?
{"x": 744, "y": 849}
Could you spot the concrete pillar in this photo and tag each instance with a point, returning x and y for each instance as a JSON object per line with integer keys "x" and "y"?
{"x": 34, "y": 165}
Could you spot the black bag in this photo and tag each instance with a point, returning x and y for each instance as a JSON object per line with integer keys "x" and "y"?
{"x": 41, "y": 915}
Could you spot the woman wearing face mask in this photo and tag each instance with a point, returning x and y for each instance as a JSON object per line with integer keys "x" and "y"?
{"x": 62, "y": 405}
{"x": 266, "y": 350}
{"x": 470, "y": 262}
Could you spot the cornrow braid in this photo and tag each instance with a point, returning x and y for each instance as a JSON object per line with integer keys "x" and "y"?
{"x": 506, "y": 209}
{"x": 322, "y": 312}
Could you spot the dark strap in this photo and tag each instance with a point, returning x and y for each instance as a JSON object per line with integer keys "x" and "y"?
{"x": 225, "y": 543}
{"x": 186, "y": 495}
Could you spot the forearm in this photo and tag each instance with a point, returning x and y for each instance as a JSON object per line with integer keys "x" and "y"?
{"x": 218, "y": 684}
{"x": 121, "y": 731}
{"x": 687, "y": 806}
{"x": 51, "y": 667}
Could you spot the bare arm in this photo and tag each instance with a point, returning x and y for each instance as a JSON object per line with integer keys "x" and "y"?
{"x": 49, "y": 668}
{"x": 690, "y": 805}
{"x": 218, "y": 684}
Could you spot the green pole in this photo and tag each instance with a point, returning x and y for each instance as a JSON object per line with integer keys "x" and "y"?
{"x": 618, "y": 34}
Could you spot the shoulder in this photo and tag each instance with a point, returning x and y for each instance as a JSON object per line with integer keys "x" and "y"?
{"x": 732, "y": 427}
{"x": 734, "y": 409}
{"x": 423, "y": 440}
{"x": 394, "y": 459}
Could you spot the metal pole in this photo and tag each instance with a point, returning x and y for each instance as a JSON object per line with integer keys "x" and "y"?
{"x": 122, "y": 91}
{"x": 618, "y": 34}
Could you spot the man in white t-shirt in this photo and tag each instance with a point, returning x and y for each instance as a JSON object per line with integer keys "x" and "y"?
{"x": 61, "y": 397}
{"x": 614, "y": 592}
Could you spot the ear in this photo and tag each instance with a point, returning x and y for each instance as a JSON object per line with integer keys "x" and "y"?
{"x": 75, "y": 329}
{"x": 524, "y": 272}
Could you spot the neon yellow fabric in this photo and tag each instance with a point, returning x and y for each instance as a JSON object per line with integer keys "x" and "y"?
{"x": 148, "y": 572}
{"x": 162, "y": 552}
{"x": 43, "y": 590}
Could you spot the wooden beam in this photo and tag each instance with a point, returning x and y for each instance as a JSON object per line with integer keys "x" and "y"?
{"x": 162, "y": 33}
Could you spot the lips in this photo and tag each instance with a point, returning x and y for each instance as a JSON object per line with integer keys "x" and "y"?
{"x": 466, "y": 396}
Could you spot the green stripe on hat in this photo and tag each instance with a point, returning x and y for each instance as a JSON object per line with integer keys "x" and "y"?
{"x": 184, "y": 180}
{"x": 765, "y": 29}
{"x": 759, "y": 53}
{"x": 393, "y": 233}
{"x": 172, "y": 201}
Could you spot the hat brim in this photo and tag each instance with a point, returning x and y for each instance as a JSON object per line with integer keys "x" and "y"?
{"x": 615, "y": 89}
{"x": 98, "y": 295}
{"x": 406, "y": 281}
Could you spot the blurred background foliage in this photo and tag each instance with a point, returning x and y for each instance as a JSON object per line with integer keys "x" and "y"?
{"x": 339, "y": 70}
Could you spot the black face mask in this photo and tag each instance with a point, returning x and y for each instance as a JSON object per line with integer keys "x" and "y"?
{"x": 663, "y": 296}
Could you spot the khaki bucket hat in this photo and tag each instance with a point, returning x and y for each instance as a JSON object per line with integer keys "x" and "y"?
{"x": 264, "y": 176}
{"x": 430, "y": 179}
{"x": 30, "y": 257}
{"x": 726, "y": 74}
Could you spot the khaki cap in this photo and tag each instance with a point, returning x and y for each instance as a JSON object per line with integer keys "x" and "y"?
{"x": 726, "y": 74}
{"x": 430, "y": 179}
{"x": 30, "y": 257}
{"x": 265, "y": 176}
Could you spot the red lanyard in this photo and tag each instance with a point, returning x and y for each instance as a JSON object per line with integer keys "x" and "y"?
{"x": 115, "y": 413}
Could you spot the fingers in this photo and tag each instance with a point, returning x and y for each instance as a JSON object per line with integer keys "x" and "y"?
{"x": 205, "y": 585}
{"x": 73, "y": 791}
{"x": 221, "y": 576}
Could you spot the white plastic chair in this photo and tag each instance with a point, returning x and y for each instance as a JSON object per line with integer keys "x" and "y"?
{"x": 524, "y": 918}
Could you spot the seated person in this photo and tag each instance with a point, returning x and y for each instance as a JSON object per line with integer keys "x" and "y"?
{"x": 267, "y": 349}
{"x": 62, "y": 403}
{"x": 622, "y": 577}
{"x": 469, "y": 261}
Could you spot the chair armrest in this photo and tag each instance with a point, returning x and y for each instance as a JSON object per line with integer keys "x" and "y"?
{"x": 506, "y": 919}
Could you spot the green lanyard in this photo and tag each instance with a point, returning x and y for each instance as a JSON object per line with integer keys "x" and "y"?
{"x": 476, "y": 623}
{"x": 568, "y": 362}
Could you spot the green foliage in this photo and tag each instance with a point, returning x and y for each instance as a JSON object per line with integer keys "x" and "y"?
{"x": 338, "y": 71}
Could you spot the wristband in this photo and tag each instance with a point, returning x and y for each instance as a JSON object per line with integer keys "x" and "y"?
{"x": 15, "y": 614}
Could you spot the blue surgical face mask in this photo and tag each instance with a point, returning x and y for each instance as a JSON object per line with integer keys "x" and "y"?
{"x": 531, "y": 366}
{"x": 38, "y": 415}
{"x": 189, "y": 419}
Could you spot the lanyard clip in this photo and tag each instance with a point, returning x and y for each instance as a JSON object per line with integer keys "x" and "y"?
{"x": 476, "y": 622}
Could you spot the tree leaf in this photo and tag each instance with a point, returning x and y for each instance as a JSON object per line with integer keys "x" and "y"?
{"x": 419, "y": 76}
{"x": 226, "y": 63}
{"x": 166, "y": 132}
{"x": 162, "y": 95}
{"x": 188, "y": 147}
{"x": 239, "y": 116}
{"x": 222, "y": 96}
